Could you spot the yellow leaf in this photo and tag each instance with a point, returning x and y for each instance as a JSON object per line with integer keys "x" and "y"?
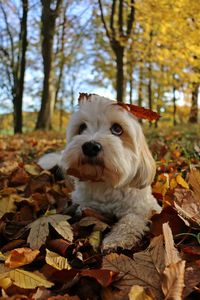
{"x": 138, "y": 293}
{"x": 5, "y": 282}
{"x": 181, "y": 181}
{"x": 28, "y": 280}
{"x": 162, "y": 184}
{"x": 56, "y": 261}
{"x": 173, "y": 183}
{"x": 95, "y": 239}
{"x": 32, "y": 169}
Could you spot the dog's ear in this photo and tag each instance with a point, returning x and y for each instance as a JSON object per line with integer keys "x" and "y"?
{"x": 147, "y": 166}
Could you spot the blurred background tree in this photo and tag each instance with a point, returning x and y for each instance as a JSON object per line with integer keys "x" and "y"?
{"x": 145, "y": 52}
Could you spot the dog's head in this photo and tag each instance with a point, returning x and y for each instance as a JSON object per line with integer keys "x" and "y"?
{"x": 106, "y": 143}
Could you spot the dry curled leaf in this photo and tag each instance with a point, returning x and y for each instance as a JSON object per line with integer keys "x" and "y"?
{"x": 171, "y": 254}
{"x": 20, "y": 256}
{"x": 140, "y": 112}
{"x": 173, "y": 281}
{"x": 187, "y": 206}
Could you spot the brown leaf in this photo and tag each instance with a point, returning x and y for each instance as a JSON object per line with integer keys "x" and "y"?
{"x": 170, "y": 215}
{"x": 140, "y": 112}
{"x": 194, "y": 181}
{"x": 104, "y": 277}
{"x": 192, "y": 277}
{"x": 187, "y": 205}
{"x": 171, "y": 254}
{"x": 59, "y": 245}
{"x": 173, "y": 281}
{"x": 20, "y": 257}
{"x": 144, "y": 269}
{"x": 98, "y": 225}
{"x": 19, "y": 177}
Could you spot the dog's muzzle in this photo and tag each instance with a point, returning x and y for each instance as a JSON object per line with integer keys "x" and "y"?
{"x": 91, "y": 149}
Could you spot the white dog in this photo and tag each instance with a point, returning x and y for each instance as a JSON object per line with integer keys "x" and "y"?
{"x": 113, "y": 168}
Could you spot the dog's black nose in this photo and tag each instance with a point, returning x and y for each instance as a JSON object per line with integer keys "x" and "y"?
{"x": 91, "y": 149}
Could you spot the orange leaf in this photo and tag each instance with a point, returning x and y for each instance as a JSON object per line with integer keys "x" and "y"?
{"x": 140, "y": 112}
{"x": 21, "y": 256}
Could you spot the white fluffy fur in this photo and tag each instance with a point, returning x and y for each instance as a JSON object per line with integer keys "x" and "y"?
{"x": 118, "y": 181}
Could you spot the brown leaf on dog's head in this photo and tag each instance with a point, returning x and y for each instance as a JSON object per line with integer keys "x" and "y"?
{"x": 83, "y": 96}
{"x": 140, "y": 112}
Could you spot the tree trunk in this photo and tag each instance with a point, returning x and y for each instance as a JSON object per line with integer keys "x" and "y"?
{"x": 150, "y": 90}
{"x": 49, "y": 16}
{"x": 193, "y": 118}
{"x": 119, "y": 28}
{"x": 19, "y": 80}
{"x": 174, "y": 106}
{"x": 119, "y": 52}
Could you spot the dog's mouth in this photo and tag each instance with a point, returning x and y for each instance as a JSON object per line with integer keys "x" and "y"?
{"x": 88, "y": 169}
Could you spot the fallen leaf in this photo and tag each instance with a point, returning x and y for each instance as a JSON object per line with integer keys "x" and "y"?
{"x": 98, "y": 224}
{"x": 39, "y": 229}
{"x": 95, "y": 239}
{"x": 192, "y": 277}
{"x": 144, "y": 269}
{"x": 7, "y": 203}
{"x": 8, "y": 167}
{"x": 173, "y": 281}
{"x": 162, "y": 184}
{"x": 20, "y": 256}
{"x": 194, "y": 181}
{"x": 138, "y": 293}
{"x": 170, "y": 215}
{"x": 187, "y": 205}
{"x": 181, "y": 181}
{"x": 28, "y": 280}
{"x": 56, "y": 261}
{"x": 19, "y": 177}
{"x": 171, "y": 254}
{"x": 32, "y": 169}
{"x": 5, "y": 283}
{"x": 104, "y": 277}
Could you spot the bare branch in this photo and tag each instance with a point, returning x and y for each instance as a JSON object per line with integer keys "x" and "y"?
{"x": 131, "y": 18}
{"x": 9, "y": 34}
{"x": 103, "y": 20}
{"x": 112, "y": 18}
{"x": 120, "y": 17}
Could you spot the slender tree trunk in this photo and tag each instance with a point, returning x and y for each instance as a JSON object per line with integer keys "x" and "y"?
{"x": 174, "y": 106}
{"x": 49, "y": 16}
{"x": 193, "y": 118}
{"x": 119, "y": 51}
{"x": 20, "y": 72}
{"x": 140, "y": 86}
{"x": 131, "y": 90}
{"x": 119, "y": 28}
{"x": 150, "y": 90}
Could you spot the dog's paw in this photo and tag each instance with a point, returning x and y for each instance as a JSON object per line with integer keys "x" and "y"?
{"x": 111, "y": 243}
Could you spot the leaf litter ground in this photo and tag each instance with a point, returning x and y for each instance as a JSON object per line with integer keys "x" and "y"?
{"x": 50, "y": 252}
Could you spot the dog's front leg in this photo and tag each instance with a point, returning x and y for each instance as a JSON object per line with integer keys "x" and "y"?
{"x": 126, "y": 233}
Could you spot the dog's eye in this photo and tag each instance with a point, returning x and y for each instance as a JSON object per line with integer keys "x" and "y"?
{"x": 82, "y": 127}
{"x": 116, "y": 129}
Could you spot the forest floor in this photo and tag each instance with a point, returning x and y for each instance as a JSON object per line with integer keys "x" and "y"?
{"x": 48, "y": 252}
